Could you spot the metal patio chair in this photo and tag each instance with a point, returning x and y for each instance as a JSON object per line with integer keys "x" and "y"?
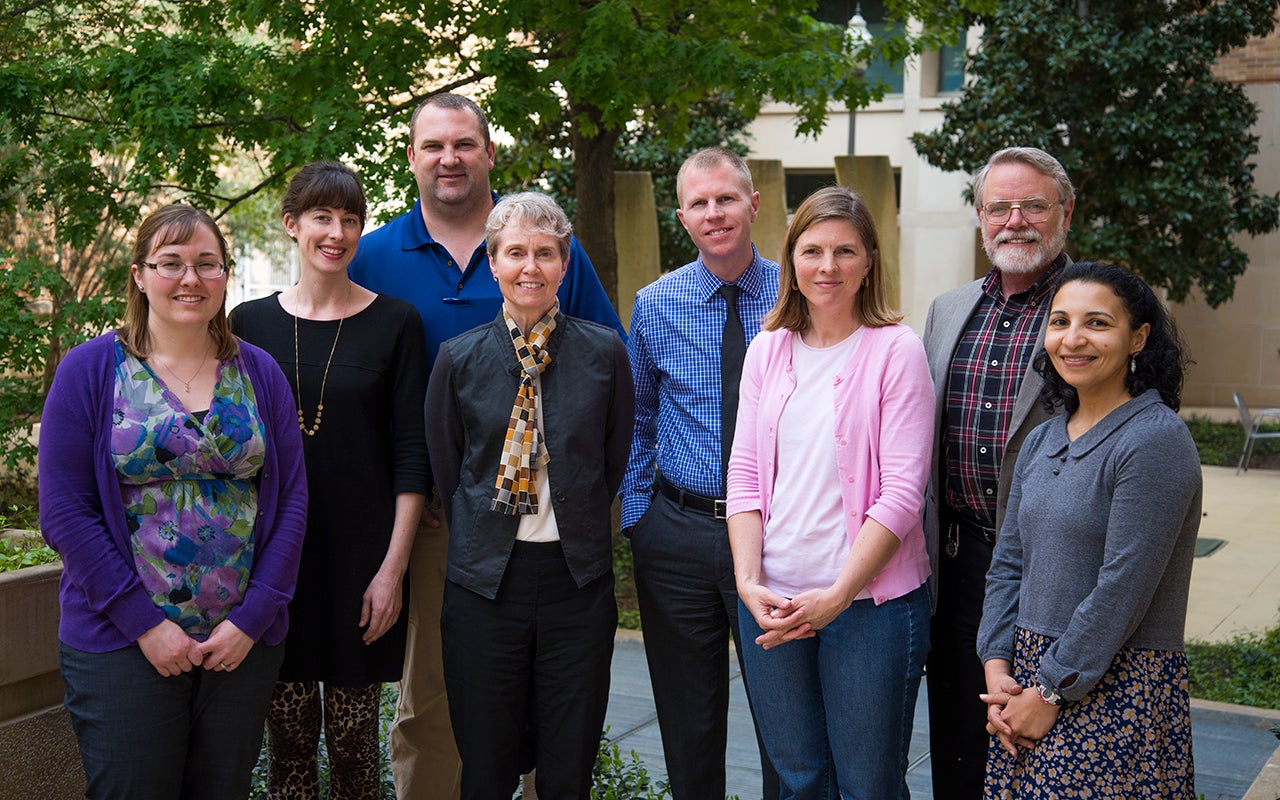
{"x": 1252, "y": 424}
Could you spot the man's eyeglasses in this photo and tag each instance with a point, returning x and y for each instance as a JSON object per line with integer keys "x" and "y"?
{"x": 1033, "y": 210}
{"x": 173, "y": 270}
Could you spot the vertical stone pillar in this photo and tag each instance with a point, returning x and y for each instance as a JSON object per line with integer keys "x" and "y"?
{"x": 872, "y": 178}
{"x": 635, "y": 224}
{"x": 981, "y": 264}
{"x": 770, "y": 229}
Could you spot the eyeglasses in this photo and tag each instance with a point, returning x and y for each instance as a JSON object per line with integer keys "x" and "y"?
{"x": 174, "y": 270}
{"x": 1033, "y": 209}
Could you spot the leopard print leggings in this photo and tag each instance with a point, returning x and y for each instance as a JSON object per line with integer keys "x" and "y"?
{"x": 350, "y": 718}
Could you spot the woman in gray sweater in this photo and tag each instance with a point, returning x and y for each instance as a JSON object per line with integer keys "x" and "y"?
{"x": 1082, "y": 630}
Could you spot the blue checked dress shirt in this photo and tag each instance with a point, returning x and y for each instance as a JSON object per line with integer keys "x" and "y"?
{"x": 674, "y": 344}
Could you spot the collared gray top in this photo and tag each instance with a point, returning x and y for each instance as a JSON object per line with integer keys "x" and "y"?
{"x": 1097, "y": 544}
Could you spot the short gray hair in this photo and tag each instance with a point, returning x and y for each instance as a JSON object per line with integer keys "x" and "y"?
{"x": 1033, "y": 157}
{"x": 532, "y": 211}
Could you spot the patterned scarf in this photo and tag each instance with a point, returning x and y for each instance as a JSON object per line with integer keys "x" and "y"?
{"x": 515, "y": 491}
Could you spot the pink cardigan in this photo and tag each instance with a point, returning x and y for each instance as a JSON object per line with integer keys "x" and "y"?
{"x": 884, "y": 438}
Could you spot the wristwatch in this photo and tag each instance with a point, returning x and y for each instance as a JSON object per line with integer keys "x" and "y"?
{"x": 1049, "y": 695}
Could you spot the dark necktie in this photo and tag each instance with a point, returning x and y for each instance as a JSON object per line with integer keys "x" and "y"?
{"x": 733, "y": 347}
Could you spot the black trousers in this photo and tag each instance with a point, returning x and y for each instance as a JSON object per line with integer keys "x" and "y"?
{"x": 958, "y": 737}
{"x": 689, "y": 608}
{"x": 530, "y": 665}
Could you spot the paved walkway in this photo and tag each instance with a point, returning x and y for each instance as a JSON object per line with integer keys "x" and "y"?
{"x": 1235, "y": 589}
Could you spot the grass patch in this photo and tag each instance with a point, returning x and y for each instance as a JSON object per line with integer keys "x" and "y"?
{"x": 1220, "y": 443}
{"x": 1244, "y": 671}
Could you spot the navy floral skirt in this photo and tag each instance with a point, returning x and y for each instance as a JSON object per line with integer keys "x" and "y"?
{"x": 1129, "y": 738}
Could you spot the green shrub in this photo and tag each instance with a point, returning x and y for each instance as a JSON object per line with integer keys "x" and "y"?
{"x": 618, "y": 778}
{"x": 17, "y": 553}
{"x": 1244, "y": 671}
{"x": 624, "y": 583}
{"x": 1220, "y": 443}
{"x": 19, "y": 505}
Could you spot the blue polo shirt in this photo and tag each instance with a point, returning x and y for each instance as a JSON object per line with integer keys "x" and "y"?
{"x": 402, "y": 260}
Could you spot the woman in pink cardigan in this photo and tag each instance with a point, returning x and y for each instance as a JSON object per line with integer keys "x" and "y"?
{"x": 825, "y": 490}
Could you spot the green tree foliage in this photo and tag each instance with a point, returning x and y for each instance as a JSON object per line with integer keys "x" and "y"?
{"x": 181, "y": 91}
{"x": 531, "y": 163}
{"x": 110, "y": 107}
{"x": 610, "y": 63}
{"x": 1123, "y": 94}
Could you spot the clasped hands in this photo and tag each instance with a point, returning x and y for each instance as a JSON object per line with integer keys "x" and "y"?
{"x": 787, "y": 619}
{"x": 171, "y": 651}
{"x": 1016, "y": 714}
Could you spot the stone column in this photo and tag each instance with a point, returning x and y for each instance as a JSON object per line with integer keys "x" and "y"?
{"x": 635, "y": 221}
{"x": 770, "y": 229}
{"x": 872, "y": 178}
{"x": 981, "y": 264}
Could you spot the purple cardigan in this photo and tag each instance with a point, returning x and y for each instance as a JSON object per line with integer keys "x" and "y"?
{"x": 883, "y": 435}
{"x": 104, "y": 605}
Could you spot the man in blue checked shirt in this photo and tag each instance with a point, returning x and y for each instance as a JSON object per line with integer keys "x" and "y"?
{"x": 673, "y": 492}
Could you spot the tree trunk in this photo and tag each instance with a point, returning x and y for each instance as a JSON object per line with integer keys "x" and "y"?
{"x": 593, "y": 188}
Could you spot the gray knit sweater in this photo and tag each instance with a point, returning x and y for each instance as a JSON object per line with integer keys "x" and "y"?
{"x": 1097, "y": 544}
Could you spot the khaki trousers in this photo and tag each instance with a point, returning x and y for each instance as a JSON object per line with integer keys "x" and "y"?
{"x": 424, "y": 758}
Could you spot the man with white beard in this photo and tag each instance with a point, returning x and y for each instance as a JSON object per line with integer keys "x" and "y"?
{"x": 981, "y": 339}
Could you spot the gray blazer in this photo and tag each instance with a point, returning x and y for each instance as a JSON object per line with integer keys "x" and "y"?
{"x": 948, "y": 316}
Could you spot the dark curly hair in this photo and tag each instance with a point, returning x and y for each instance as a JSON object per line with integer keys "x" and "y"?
{"x": 1161, "y": 363}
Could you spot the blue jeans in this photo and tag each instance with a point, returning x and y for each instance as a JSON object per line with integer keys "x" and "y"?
{"x": 191, "y": 736}
{"x": 836, "y": 710}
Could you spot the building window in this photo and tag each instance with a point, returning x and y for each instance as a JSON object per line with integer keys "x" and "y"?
{"x": 951, "y": 67}
{"x": 801, "y": 183}
{"x": 838, "y": 12}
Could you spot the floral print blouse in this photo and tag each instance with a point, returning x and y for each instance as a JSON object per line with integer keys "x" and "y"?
{"x": 189, "y": 488}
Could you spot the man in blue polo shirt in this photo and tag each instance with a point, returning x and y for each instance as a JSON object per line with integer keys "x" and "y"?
{"x": 434, "y": 257}
{"x": 689, "y": 331}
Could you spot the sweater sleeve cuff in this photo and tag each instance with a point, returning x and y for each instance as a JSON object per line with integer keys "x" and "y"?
{"x": 133, "y": 614}
{"x": 1053, "y": 674}
{"x": 898, "y": 523}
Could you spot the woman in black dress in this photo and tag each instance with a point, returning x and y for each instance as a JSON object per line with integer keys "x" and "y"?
{"x": 355, "y": 361}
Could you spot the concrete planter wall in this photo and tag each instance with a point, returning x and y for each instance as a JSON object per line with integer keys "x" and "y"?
{"x": 40, "y": 754}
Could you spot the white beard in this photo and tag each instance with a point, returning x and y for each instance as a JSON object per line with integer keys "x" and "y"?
{"x": 1024, "y": 261}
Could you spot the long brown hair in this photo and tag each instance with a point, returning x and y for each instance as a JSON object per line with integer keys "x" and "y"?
{"x": 832, "y": 202}
{"x": 174, "y": 224}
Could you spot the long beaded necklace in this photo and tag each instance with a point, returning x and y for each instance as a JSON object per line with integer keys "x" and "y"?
{"x": 302, "y": 425}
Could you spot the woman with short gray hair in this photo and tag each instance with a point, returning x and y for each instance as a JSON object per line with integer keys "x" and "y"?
{"x": 529, "y": 612}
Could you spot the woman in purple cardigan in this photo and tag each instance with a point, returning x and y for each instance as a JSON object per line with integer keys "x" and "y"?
{"x": 825, "y": 491}
{"x": 172, "y": 485}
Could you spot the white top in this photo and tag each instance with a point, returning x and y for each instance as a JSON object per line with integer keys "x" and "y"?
{"x": 540, "y": 527}
{"x": 805, "y": 537}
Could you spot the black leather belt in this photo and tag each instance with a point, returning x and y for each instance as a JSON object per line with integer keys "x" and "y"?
{"x": 711, "y": 506}
{"x": 983, "y": 532}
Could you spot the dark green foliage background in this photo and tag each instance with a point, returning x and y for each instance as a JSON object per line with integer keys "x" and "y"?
{"x": 1123, "y": 94}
